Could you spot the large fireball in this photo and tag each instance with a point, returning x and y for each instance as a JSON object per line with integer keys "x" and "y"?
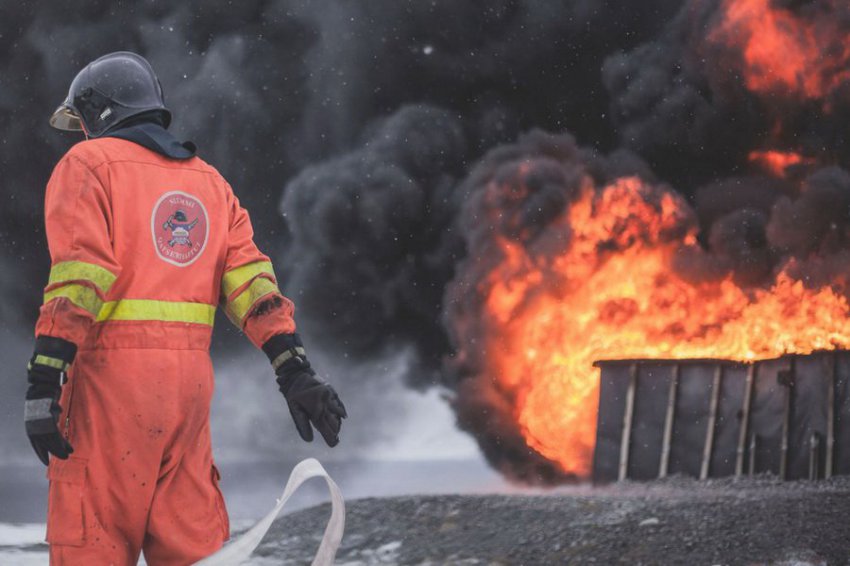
{"x": 613, "y": 292}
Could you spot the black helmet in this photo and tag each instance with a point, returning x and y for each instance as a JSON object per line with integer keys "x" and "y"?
{"x": 108, "y": 91}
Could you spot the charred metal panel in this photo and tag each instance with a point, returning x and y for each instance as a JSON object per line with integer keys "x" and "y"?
{"x": 653, "y": 382}
{"x": 696, "y": 417}
{"x": 766, "y": 417}
{"x": 609, "y": 428}
{"x": 841, "y": 465}
{"x": 691, "y": 416}
{"x": 728, "y": 425}
{"x": 808, "y": 418}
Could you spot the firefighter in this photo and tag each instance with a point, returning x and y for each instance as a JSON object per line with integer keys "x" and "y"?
{"x": 145, "y": 239}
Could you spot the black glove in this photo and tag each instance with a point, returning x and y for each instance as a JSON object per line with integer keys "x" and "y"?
{"x": 41, "y": 410}
{"x": 310, "y": 400}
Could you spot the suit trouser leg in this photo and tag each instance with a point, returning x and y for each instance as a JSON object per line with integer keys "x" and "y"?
{"x": 141, "y": 474}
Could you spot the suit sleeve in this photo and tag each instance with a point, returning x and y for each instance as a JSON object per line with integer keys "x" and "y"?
{"x": 78, "y": 222}
{"x": 250, "y": 295}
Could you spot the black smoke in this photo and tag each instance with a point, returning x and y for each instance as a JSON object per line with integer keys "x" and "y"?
{"x": 267, "y": 87}
{"x": 372, "y": 241}
{"x": 516, "y": 193}
{"x": 362, "y": 135}
{"x": 682, "y": 101}
{"x": 413, "y": 95}
{"x": 679, "y": 107}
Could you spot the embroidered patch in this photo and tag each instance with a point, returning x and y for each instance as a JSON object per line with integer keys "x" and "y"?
{"x": 180, "y": 228}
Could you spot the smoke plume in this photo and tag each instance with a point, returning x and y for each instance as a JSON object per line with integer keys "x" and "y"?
{"x": 391, "y": 152}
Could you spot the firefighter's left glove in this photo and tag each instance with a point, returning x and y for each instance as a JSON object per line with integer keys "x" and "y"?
{"x": 311, "y": 401}
{"x": 41, "y": 410}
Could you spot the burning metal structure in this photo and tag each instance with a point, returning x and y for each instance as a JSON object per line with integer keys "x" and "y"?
{"x": 619, "y": 271}
{"x": 575, "y": 256}
{"x": 789, "y": 416}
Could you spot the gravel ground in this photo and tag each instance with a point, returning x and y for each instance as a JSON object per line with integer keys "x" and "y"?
{"x": 675, "y": 521}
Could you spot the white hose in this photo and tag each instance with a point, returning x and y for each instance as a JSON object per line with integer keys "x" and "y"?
{"x": 240, "y": 549}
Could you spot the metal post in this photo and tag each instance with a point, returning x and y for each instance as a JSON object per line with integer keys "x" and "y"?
{"x": 830, "y": 416}
{"x": 712, "y": 421}
{"x": 625, "y": 440}
{"x": 814, "y": 456}
{"x": 753, "y": 446}
{"x": 664, "y": 465}
{"x": 786, "y": 379}
{"x": 745, "y": 420}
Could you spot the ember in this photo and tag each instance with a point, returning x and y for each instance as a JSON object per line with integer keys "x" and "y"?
{"x": 777, "y": 162}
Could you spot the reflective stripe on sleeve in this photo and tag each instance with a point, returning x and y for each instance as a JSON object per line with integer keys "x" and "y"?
{"x": 81, "y": 271}
{"x": 235, "y": 278}
{"x": 165, "y": 311}
{"x": 240, "y": 306}
{"x": 81, "y": 295}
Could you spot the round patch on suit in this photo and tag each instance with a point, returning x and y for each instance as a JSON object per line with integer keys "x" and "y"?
{"x": 180, "y": 228}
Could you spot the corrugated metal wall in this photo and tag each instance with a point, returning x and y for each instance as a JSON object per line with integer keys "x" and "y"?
{"x": 714, "y": 418}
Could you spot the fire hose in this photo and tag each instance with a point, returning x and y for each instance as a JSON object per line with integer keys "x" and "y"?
{"x": 240, "y": 549}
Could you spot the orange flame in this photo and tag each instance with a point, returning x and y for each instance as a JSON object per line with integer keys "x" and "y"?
{"x": 776, "y": 162}
{"x": 785, "y": 53}
{"x": 612, "y": 293}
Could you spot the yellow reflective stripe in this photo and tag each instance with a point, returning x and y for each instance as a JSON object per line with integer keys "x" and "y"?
{"x": 51, "y": 362}
{"x": 237, "y": 277}
{"x": 239, "y": 307}
{"x": 81, "y": 271}
{"x": 81, "y": 295}
{"x": 166, "y": 311}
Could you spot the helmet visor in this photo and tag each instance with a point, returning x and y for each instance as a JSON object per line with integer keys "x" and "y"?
{"x": 64, "y": 118}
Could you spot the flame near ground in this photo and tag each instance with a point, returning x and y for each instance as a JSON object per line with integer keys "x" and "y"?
{"x": 613, "y": 292}
{"x": 577, "y": 257}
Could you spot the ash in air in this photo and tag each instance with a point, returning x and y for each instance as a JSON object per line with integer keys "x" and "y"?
{"x": 443, "y": 170}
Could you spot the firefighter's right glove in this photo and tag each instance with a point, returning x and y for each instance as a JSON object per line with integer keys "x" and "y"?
{"x": 41, "y": 409}
{"x": 310, "y": 400}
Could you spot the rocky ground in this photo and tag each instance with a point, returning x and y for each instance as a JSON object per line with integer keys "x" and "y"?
{"x": 676, "y": 521}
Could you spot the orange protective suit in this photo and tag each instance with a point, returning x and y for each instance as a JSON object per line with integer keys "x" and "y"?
{"x": 143, "y": 249}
